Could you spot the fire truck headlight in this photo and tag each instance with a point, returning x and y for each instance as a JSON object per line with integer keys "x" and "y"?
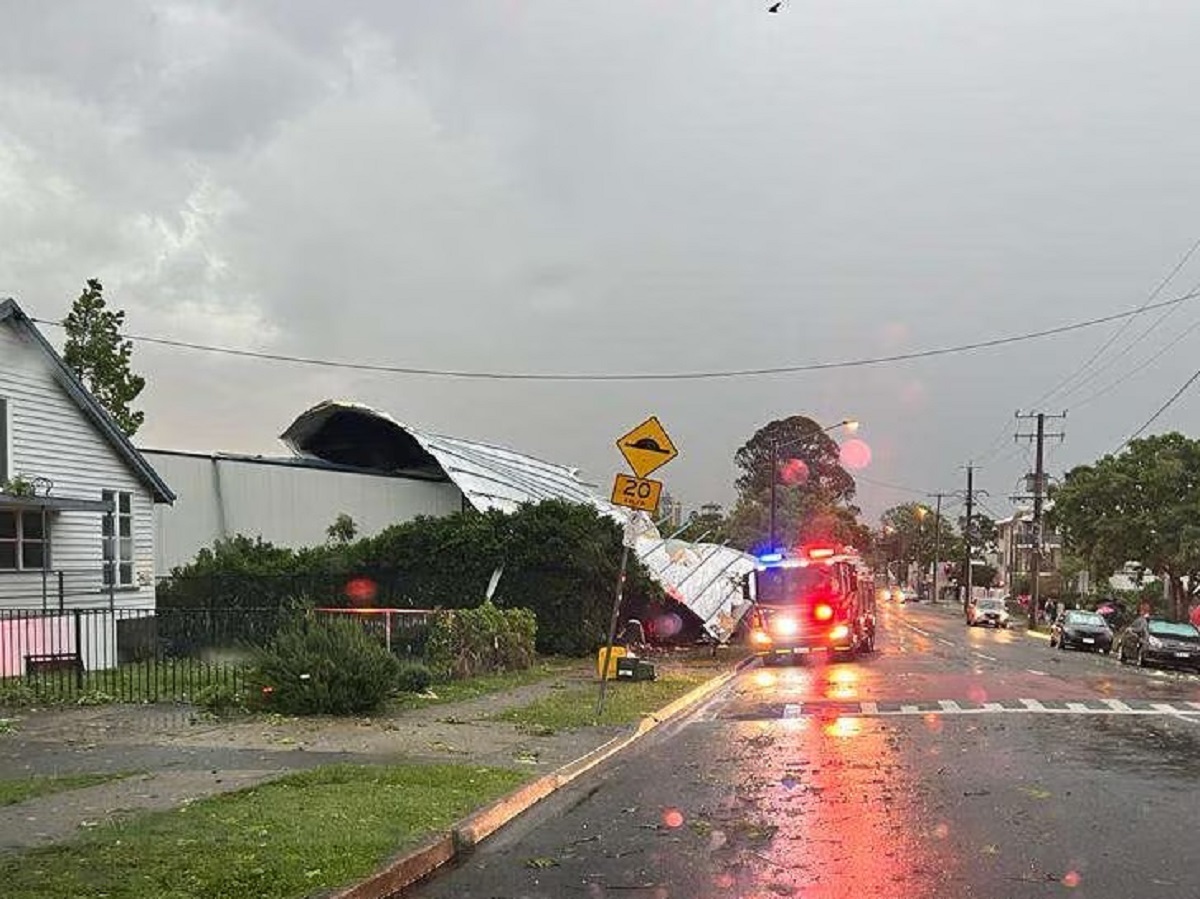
{"x": 841, "y": 632}
{"x": 785, "y": 627}
{"x": 760, "y": 638}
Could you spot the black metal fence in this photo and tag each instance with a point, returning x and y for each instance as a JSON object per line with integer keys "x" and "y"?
{"x": 97, "y": 655}
{"x": 127, "y": 655}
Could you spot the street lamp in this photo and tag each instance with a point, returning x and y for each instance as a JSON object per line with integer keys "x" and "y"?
{"x": 849, "y": 424}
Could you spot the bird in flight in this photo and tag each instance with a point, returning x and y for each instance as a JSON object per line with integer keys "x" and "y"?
{"x": 774, "y": 7}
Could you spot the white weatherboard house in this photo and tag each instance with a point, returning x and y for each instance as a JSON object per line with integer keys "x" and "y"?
{"x": 84, "y": 537}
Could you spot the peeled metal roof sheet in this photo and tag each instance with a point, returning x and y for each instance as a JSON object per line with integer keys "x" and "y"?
{"x": 705, "y": 578}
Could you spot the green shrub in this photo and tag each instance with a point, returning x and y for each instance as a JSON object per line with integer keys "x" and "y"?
{"x": 469, "y": 642}
{"x": 323, "y": 667}
{"x": 414, "y": 677}
{"x": 219, "y": 699}
{"x": 15, "y": 693}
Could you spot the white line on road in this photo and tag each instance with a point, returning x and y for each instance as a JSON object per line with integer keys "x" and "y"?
{"x": 993, "y": 707}
{"x": 1195, "y": 705}
{"x": 949, "y": 705}
{"x": 1032, "y": 704}
{"x": 792, "y": 710}
{"x": 910, "y": 709}
{"x": 1038, "y": 673}
{"x": 1077, "y": 707}
{"x": 1116, "y": 705}
{"x": 987, "y": 657}
{"x": 870, "y": 708}
{"x": 946, "y": 642}
{"x": 1162, "y": 707}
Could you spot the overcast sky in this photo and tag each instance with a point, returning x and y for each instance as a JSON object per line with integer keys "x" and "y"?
{"x": 648, "y": 185}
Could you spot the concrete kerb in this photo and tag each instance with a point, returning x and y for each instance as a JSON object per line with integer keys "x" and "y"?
{"x": 478, "y": 826}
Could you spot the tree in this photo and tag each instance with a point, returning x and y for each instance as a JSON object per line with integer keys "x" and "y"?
{"x": 910, "y": 533}
{"x": 813, "y": 490}
{"x": 1141, "y": 505}
{"x": 100, "y": 358}
{"x": 984, "y": 535}
{"x": 343, "y": 529}
{"x": 709, "y": 519}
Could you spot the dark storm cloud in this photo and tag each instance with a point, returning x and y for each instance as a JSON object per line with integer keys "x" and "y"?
{"x": 639, "y": 185}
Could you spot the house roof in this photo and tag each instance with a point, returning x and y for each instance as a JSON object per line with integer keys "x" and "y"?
{"x": 14, "y": 316}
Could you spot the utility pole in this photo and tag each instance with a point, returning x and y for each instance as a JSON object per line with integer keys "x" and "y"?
{"x": 970, "y": 571}
{"x": 1039, "y": 491}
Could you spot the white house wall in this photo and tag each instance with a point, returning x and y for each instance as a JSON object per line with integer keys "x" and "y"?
{"x": 287, "y": 505}
{"x": 52, "y": 439}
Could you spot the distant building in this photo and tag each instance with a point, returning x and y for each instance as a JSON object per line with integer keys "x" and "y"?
{"x": 670, "y": 512}
{"x": 1015, "y": 549}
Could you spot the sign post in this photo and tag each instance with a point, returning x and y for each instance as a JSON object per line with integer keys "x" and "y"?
{"x": 646, "y": 448}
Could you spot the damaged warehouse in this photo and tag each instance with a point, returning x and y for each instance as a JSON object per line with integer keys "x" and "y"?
{"x": 350, "y": 458}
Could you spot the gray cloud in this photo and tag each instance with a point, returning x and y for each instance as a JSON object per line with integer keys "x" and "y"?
{"x": 633, "y": 186}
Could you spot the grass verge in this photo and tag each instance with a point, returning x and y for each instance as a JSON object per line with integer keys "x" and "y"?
{"x": 624, "y": 703}
{"x": 473, "y": 688}
{"x": 284, "y": 840}
{"x": 14, "y": 791}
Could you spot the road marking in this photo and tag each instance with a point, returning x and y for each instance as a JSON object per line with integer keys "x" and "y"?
{"x": 987, "y": 657}
{"x": 1038, "y": 673}
{"x": 946, "y": 642}
{"x": 1181, "y": 709}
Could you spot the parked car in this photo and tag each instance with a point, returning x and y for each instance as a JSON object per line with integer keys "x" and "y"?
{"x": 988, "y": 611}
{"x": 1077, "y": 629}
{"x": 1157, "y": 641}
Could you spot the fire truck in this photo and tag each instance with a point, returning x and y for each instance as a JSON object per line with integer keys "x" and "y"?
{"x": 819, "y": 599}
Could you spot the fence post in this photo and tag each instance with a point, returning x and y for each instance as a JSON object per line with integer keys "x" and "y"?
{"x": 79, "y": 649}
{"x": 62, "y": 590}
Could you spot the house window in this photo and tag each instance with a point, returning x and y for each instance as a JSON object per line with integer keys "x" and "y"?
{"x": 117, "y": 530}
{"x": 22, "y": 541}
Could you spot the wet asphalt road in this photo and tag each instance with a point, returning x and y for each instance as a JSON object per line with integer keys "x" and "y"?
{"x": 955, "y": 762}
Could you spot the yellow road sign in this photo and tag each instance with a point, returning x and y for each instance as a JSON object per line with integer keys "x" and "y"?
{"x": 636, "y": 493}
{"x": 647, "y": 447}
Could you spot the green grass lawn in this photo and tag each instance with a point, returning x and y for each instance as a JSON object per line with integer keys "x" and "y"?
{"x": 623, "y": 704}
{"x": 473, "y": 688}
{"x": 284, "y": 840}
{"x": 14, "y": 791}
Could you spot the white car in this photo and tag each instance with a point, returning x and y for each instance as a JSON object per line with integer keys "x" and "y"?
{"x": 989, "y": 612}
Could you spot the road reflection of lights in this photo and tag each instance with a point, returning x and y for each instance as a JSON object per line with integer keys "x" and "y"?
{"x": 765, "y": 679}
{"x": 844, "y": 727}
{"x": 977, "y": 694}
{"x": 941, "y": 831}
{"x": 934, "y": 722}
{"x": 1071, "y": 879}
{"x": 843, "y": 684}
{"x": 672, "y": 818}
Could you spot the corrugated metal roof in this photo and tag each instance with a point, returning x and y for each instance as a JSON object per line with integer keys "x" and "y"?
{"x": 703, "y": 577}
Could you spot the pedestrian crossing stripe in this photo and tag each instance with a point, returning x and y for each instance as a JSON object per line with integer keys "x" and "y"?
{"x": 960, "y": 707}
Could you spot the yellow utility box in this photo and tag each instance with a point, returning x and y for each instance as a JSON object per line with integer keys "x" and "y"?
{"x": 618, "y": 652}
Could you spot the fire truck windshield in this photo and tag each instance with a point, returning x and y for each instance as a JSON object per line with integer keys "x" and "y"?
{"x": 786, "y": 585}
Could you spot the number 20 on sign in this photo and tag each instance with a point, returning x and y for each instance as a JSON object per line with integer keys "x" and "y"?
{"x": 636, "y": 493}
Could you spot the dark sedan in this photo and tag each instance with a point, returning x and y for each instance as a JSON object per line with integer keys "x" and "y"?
{"x": 1157, "y": 641}
{"x": 1076, "y": 629}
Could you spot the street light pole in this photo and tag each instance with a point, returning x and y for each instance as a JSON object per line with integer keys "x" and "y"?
{"x": 849, "y": 424}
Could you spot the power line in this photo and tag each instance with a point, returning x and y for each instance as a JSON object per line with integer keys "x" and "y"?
{"x": 1121, "y": 330}
{"x": 648, "y": 376}
{"x": 1161, "y": 409}
{"x": 1145, "y": 363}
{"x": 900, "y": 487}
